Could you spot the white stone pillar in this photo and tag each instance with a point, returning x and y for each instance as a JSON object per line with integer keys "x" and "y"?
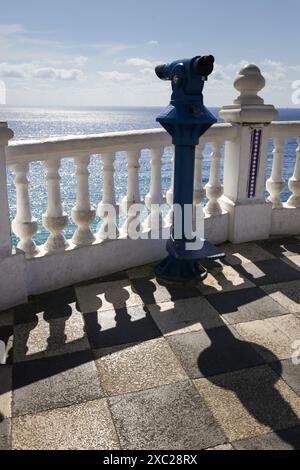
{"x": 170, "y": 192}
{"x": 133, "y": 191}
{"x": 245, "y": 160}
{"x": 83, "y": 214}
{"x": 154, "y": 199}
{"x": 199, "y": 191}
{"x": 24, "y": 225}
{"x": 276, "y": 183}
{"x": 5, "y": 231}
{"x": 107, "y": 208}
{"x": 214, "y": 188}
{"x": 294, "y": 182}
{"x": 54, "y": 219}
{"x": 13, "y": 288}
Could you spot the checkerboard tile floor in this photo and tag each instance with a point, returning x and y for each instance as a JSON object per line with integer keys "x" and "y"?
{"x": 127, "y": 363}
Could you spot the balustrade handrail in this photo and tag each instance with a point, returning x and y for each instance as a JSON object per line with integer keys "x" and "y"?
{"x": 21, "y": 151}
{"x": 285, "y": 129}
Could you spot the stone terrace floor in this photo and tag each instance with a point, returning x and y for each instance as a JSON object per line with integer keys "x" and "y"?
{"x": 124, "y": 362}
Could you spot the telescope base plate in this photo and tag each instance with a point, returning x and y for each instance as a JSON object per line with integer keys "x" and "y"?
{"x": 182, "y": 266}
{"x": 180, "y": 271}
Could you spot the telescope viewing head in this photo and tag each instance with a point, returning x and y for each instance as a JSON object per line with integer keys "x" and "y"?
{"x": 187, "y": 76}
{"x": 186, "y": 118}
{"x": 200, "y": 66}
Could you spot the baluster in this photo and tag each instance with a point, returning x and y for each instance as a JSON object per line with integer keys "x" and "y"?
{"x": 24, "y": 225}
{"x": 54, "y": 219}
{"x": 133, "y": 191}
{"x": 294, "y": 182}
{"x": 5, "y": 227}
{"x": 214, "y": 188}
{"x": 276, "y": 183}
{"x": 199, "y": 191}
{"x": 83, "y": 214}
{"x": 154, "y": 198}
{"x": 107, "y": 208}
{"x": 170, "y": 193}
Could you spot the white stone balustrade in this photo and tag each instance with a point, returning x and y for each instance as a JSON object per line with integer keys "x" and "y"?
{"x": 154, "y": 199}
{"x": 5, "y": 233}
{"x": 214, "y": 188}
{"x": 105, "y": 212}
{"x": 294, "y": 182}
{"x": 237, "y": 209}
{"x": 170, "y": 193}
{"x": 24, "y": 225}
{"x": 133, "y": 193}
{"x": 276, "y": 183}
{"x": 199, "y": 190}
{"x": 55, "y": 219}
{"x": 83, "y": 214}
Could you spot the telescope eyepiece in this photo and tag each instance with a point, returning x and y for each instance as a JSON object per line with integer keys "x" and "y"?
{"x": 205, "y": 65}
{"x": 160, "y": 72}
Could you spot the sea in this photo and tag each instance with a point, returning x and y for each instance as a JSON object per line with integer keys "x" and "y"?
{"x": 40, "y": 123}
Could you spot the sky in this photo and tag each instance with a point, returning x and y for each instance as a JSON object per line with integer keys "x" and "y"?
{"x": 103, "y": 52}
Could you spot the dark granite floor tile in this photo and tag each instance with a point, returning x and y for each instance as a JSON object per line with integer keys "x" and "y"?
{"x": 106, "y": 296}
{"x": 184, "y": 316}
{"x": 138, "y": 366}
{"x": 145, "y": 271}
{"x": 287, "y": 294}
{"x": 5, "y": 434}
{"x": 272, "y": 338}
{"x": 86, "y": 426}
{"x": 5, "y": 391}
{"x": 289, "y": 370}
{"x": 151, "y": 291}
{"x": 282, "y": 440}
{"x": 213, "y": 352}
{"x": 56, "y": 304}
{"x": 122, "y": 326}
{"x": 281, "y": 247}
{"x": 51, "y": 334}
{"x": 119, "y": 276}
{"x": 244, "y": 253}
{"x": 250, "y": 402}
{"x": 7, "y": 317}
{"x": 245, "y": 305}
{"x": 55, "y": 382}
{"x": 172, "y": 417}
{"x": 268, "y": 272}
{"x": 6, "y": 344}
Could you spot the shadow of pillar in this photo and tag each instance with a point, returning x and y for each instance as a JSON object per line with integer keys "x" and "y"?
{"x": 261, "y": 399}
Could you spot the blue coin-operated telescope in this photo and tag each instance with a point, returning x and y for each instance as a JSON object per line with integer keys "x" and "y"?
{"x": 186, "y": 119}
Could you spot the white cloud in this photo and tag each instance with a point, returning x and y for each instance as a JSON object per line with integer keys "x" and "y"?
{"x": 80, "y": 60}
{"x": 152, "y": 42}
{"x": 110, "y": 48}
{"x": 139, "y": 62}
{"x": 115, "y": 76}
{"x": 57, "y": 74}
{"x": 28, "y": 70}
{"x": 144, "y": 78}
{"x": 270, "y": 63}
{"x": 13, "y": 28}
{"x": 2, "y": 92}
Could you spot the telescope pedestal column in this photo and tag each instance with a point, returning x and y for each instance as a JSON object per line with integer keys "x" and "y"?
{"x": 185, "y": 119}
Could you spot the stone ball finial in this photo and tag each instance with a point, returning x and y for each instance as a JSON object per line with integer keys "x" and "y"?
{"x": 249, "y": 82}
